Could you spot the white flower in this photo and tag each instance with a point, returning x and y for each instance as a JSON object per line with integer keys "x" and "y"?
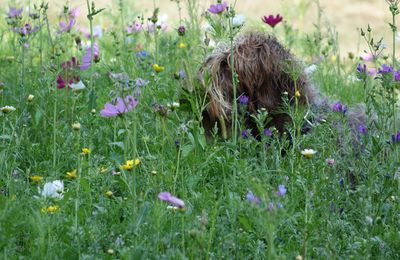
{"x": 53, "y": 189}
{"x": 308, "y": 153}
{"x": 310, "y": 69}
{"x": 7, "y": 109}
{"x": 77, "y": 86}
{"x": 238, "y": 20}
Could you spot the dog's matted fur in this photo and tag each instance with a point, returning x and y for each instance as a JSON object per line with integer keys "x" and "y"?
{"x": 263, "y": 67}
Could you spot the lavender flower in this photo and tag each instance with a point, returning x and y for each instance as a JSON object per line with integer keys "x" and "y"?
{"x": 362, "y": 129}
{"x": 361, "y": 68}
{"x": 339, "y": 107}
{"x": 272, "y": 20}
{"x": 86, "y": 62}
{"x": 218, "y": 8}
{"x": 245, "y": 134}
{"x": 14, "y": 12}
{"x": 281, "y": 190}
{"x": 67, "y": 27}
{"x": 252, "y": 198}
{"x": 243, "y": 100}
{"x": 166, "y": 196}
{"x": 267, "y": 132}
{"x": 120, "y": 107}
{"x": 26, "y": 29}
{"x": 397, "y": 75}
{"x": 396, "y": 137}
{"x": 384, "y": 69}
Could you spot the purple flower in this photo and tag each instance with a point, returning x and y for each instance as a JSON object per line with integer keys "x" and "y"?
{"x": 243, "y": 100}
{"x": 67, "y": 27}
{"x": 267, "y": 132}
{"x": 362, "y": 129}
{"x": 166, "y": 196}
{"x": 272, "y": 20}
{"x": 281, "y": 190}
{"x": 120, "y": 107}
{"x": 279, "y": 205}
{"x": 136, "y": 27}
{"x": 385, "y": 69}
{"x": 86, "y": 58}
{"x": 142, "y": 54}
{"x": 26, "y": 29}
{"x": 271, "y": 206}
{"x": 218, "y": 8}
{"x": 330, "y": 161}
{"x": 396, "y": 137}
{"x": 397, "y": 75}
{"x": 245, "y": 134}
{"x": 14, "y": 12}
{"x": 252, "y": 198}
{"x": 181, "y": 30}
{"x": 339, "y": 107}
{"x": 361, "y": 68}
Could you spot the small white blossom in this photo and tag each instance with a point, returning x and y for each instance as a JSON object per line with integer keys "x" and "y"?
{"x": 238, "y": 20}
{"x": 53, "y": 189}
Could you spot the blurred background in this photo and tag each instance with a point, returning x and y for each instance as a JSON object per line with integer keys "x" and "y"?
{"x": 343, "y": 16}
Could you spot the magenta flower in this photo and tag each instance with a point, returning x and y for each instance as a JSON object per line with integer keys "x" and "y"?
{"x": 120, "y": 107}
{"x": 86, "y": 58}
{"x": 67, "y": 27}
{"x": 14, "y": 12}
{"x": 271, "y": 20}
{"x": 166, "y": 196}
{"x": 218, "y": 8}
{"x": 252, "y": 198}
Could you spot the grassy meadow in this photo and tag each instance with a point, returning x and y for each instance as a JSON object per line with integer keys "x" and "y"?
{"x": 103, "y": 154}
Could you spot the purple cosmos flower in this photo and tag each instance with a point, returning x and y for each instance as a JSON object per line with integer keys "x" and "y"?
{"x": 330, "y": 161}
{"x": 281, "y": 190}
{"x": 14, "y": 12}
{"x": 252, "y": 198}
{"x": 120, "y": 107}
{"x": 218, "y": 8}
{"x": 67, "y": 27}
{"x": 243, "y": 100}
{"x": 267, "y": 132}
{"x": 166, "y": 196}
{"x": 272, "y": 20}
{"x": 86, "y": 58}
{"x": 362, "y": 129}
{"x": 385, "y": 69}
{"x": 396, "y": 137}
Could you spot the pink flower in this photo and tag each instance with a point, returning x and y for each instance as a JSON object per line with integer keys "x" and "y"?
{"x": 136, "y": 27}
{"x": 67, "y": 27}
{"x": 367, "y": 57}
{"x": 166, "y": 196}
{"x": 86, "y": 58}
{"x": 218, "y": 8}
{"x": 120, "y": 107}
{"x": 271, "y": 20}
{"x": 330, "y": 161}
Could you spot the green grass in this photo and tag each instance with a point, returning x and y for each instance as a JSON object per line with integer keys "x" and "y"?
{"x": 348, "y": 210}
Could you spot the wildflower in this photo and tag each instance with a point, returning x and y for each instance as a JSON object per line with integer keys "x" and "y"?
{"x": 86, "y": 151}
{"x": 272, "y": 20}
{"x": 110, "y": 251}
{"x": 299, "y": 257}
{"x": 181, "y": 30}
{"x": 333, "y": 58}
{"x": 77, "y": 86}
{"x": 67, "y": 27}
{"x": 86, "y": 59}
{"x": 396, "y": 137}
{"x": 122, "y": 106}
{"x": 218, "y": 8}
{"x": 371, "y": 72}
{"x": 142, "y": 54}
{"x": 175, "y": 201}
{"x": 308, "y": 153}
{"x": 361, "y": 68}
{"x": 338, "y": 107}
{"x": 180, "y": 75}
{"x": 330, "y": 161}
{"x": 129, "y": 164}
{"x": 252, "y": 198}
{"x": 72, "y": 174}
{"x": 271, "y": 206}
{"x": 139, "y": 82}
{"x": 281, "y": 190}
{"x": 243, "y": 100}
{"x": 7, "y": 109}
{"x": 30, "y": 98}
{"x": 36, "y": 178}
{"x": 53, "y": 189}
{"x": 136, "y": 27}
{"x": 173, "y": 105}
{"x": 267, "y": 132}
{"x": 397, "y": 75}
{"x": 158, "y": 68}
{"x": 109, "y": 193}
{"x": 384, "y": 69}
{"x": 76, "y": 126}
{"x": 245, "y": 134}
{"x": 297, "y": 93}
{"x": 15, "y": 13}
{"x": 238, "y": 20}
{"x": 362, "y": 129}
{"x": 50, "y": 209}
{"x": 160, "y": 109}
{"x": 181, "y": 45}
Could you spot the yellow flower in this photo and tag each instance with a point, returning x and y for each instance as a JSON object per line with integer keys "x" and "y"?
{"x": 50, "y": 209}
{"x": 36, "y": 178}
{"x": 297, "y": 94}
{"x": 158, "y": 68}
{"x": 130, "y": 163}
{"x": 76, "y": 126}
{"x": 109, "y": 193}
{"x": 182, "y": 45}
{"x": 72, "y": 174}
{"x": 86, "y": 151}
{"x": 30, "y": 98}
{"x": 333, "y": 58}
{"x": 308, "y": 153}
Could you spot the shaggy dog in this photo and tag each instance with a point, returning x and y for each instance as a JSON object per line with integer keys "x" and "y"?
{"x": 265, "y": 71}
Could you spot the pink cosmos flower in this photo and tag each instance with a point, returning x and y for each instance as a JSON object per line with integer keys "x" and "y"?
{"x": 218, "y": 8}
{"x": 367, "y": 57}
{"x": 166, "y": 196}
{"x": 272, "y": 20}
{"x": 120, "y": 107}
{"x": 86, "y": 58}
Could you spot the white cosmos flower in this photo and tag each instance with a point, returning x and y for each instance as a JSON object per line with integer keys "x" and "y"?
{"x": 308, "y": 153}
{"x": 238, "y": 20}
{"x": 53, "y": 189}
{"x": 7, "y": 109}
